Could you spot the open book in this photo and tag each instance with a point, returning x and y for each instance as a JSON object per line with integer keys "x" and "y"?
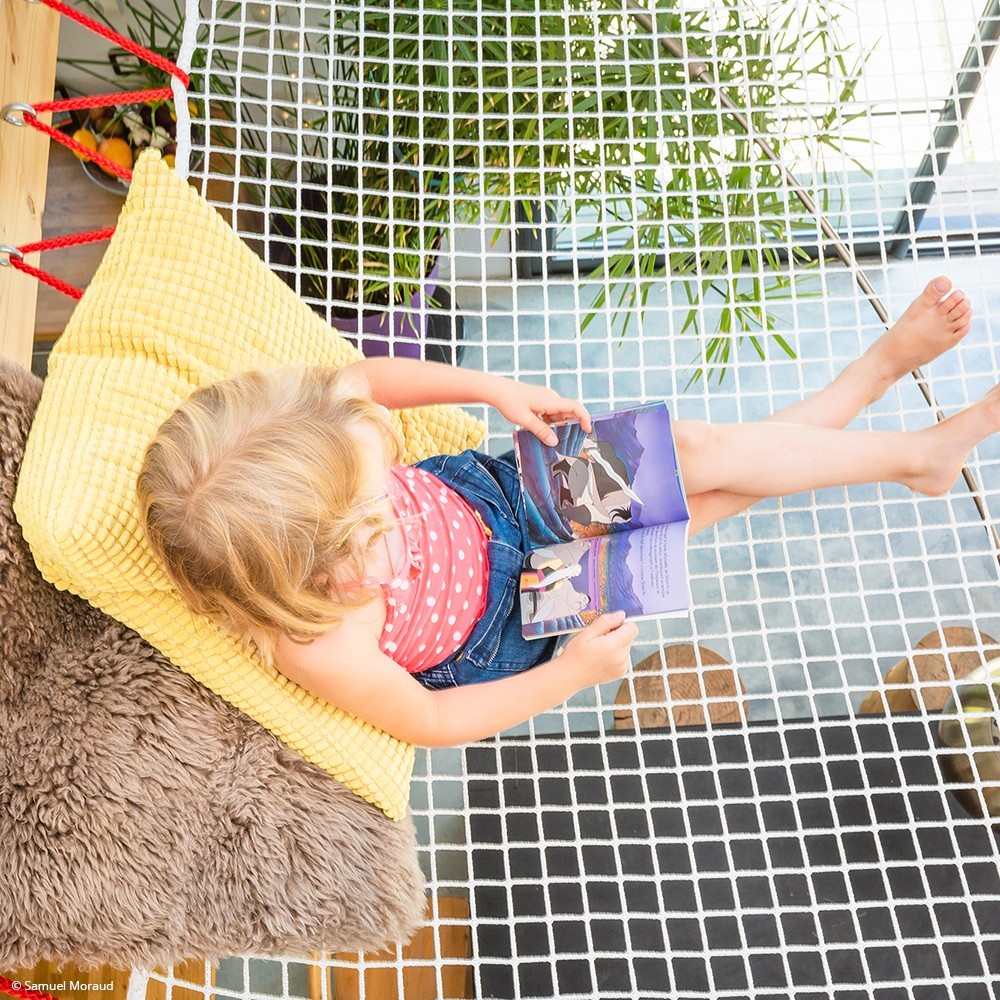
{"x": 607, "y": 522}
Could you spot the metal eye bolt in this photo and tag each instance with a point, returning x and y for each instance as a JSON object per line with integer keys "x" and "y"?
{"x": 8, "y": 253}
{"x": 15, "y": 106}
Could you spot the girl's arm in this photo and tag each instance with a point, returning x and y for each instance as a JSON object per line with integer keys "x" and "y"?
{"x": 402, "y": 382}
{"x": 347, "y": 669}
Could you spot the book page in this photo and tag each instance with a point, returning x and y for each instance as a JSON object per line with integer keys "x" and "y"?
{"x": 641, "y": 572}
{"x": 621, "y": 476}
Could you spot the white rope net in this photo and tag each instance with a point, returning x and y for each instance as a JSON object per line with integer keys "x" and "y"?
{"x": 771, "y": 842}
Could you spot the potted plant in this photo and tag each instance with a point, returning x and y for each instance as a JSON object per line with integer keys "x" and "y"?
{"x": 558, "y": 103}
{"x": 352, "y": 227}
{"x": 364, "y": 259}
{"x": 459, "y": 112}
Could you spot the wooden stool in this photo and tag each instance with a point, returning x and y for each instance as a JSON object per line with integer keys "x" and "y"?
{"x": 450, "y": 944}
{"x": 691, "y": 674}
{"x": 929, "y": 672}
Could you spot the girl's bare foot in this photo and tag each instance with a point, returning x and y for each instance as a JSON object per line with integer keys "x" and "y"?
{"x": 931, "y": 325}
{"x": 944, "y": 448}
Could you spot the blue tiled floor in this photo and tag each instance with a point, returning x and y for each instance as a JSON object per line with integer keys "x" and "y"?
{"x": 811, "y": 602}
{"x": 262, "y": 978}
{"x": 861, "y": 574}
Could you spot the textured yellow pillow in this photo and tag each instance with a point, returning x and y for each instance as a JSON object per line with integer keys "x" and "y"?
{"x": 179, "y": 301}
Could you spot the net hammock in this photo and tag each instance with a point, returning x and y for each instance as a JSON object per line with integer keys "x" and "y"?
{"x": 801, "y": 170}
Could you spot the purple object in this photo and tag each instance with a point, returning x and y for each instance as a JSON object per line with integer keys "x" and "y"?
{"x": 405, "y": 329}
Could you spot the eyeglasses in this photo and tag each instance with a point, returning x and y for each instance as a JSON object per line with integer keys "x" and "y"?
{"x": 366, "y": 510}
{"x": 397, "y": 545}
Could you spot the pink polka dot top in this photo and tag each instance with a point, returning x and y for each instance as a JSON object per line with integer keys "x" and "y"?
{"x": 440, "y": 593}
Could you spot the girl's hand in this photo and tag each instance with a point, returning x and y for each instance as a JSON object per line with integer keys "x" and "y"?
{"x": 534, "y": 407}
{"x": 600, "y": 653}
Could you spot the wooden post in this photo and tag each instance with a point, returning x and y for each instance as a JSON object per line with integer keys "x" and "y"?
{"x": 29, "y": 38}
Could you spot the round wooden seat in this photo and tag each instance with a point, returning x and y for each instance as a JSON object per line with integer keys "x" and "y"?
{"x": 929, "y": 673}
{"x": 692, "y": 674}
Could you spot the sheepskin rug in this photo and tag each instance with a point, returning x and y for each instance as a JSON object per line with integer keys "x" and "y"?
{"x": 144, "y": 820}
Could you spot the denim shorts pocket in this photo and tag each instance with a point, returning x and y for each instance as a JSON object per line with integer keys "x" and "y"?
{"x": 503, "y": 650}
{"x": 483, "y": 653}
{"x": 475, "y": 483}
{"x": 437, "y": 678}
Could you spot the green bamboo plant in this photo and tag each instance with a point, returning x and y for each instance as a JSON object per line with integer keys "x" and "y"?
{"x": 348, "y": 229}
{"x": 558, "y": 101}
{"x": 454, "y": 111}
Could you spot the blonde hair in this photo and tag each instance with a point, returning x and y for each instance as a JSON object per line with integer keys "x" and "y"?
{"x": 248, "y": 493}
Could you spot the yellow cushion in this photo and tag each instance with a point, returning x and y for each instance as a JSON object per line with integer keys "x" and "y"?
{"x": 179, "y": 301}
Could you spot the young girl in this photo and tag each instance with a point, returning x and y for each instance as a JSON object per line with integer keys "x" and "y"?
{"x": 278, "y": 506}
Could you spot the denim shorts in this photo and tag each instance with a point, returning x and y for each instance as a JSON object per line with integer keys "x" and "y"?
{"x": 495, "y": 647}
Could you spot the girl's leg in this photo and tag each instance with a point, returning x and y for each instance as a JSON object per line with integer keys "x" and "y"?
{"x": 930, "y": 326}
{"x": 770, "y": 459}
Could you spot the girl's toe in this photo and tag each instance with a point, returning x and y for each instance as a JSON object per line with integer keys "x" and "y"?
{"x": 934, "y": 290}
{"x": 957, "y": 303}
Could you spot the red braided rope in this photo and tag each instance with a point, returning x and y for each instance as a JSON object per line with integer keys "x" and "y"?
{"x": 57, "y": 283}
{"x": 76, "y": 239}
{"x": 92, "y": 101}
{"x": 7, "y": 986}
{"x": 90, "y": 154}
{"x": 76, "y": 104}
{"x": 100, "y": 100}
{"x": 160, "y": 62}
{"x": 57, "y": 243}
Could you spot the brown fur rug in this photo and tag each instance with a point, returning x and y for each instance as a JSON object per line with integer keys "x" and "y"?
{"x": 143, "y": 820}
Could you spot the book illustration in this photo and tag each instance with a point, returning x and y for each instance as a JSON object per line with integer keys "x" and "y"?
{"x": 620, "y": 476}
{"x": 594, "y": 487}
{"x": 640, "y": 572}
{"x": 607, "y": 522}
{"x": 551, "y": 584}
